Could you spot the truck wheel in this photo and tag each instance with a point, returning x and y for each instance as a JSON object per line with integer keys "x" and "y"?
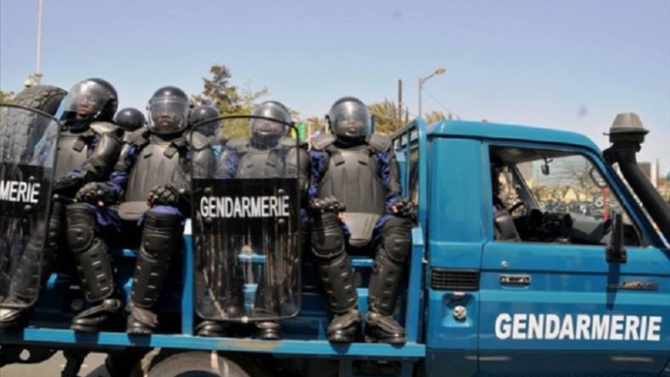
{"x": 198, "y": 363}
{"x": 15, "y": 137}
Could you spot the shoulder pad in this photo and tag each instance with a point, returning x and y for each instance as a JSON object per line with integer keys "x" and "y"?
{"x": 290, "y": 142}
{"x": 380, "y": 143}
{"x": 197, "y": 140}
{"x": 139, "y": 137}
{"x": 239, "y": 144}
{"x": 105, "y": 127}
{"x": 323, "y": 141}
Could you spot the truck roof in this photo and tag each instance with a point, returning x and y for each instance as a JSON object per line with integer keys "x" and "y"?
{"x": 486, "y": 130}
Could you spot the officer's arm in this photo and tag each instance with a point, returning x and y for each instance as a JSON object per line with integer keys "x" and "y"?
{"x": 227, "y": 164}
{"x": 390, "y": 174}
{"x": 118, "y": 180}
{"x": 317, "y": 168}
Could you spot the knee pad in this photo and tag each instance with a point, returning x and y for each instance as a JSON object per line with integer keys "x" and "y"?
{"x": 397, "y": 239}
{"x": 162, "y": 234}
{"x": 326, "y": 236}
{"x": 81, "y": 223}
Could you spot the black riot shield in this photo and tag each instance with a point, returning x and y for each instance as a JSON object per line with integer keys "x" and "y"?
{"x": 27, "y": 160}
{"x": 246, "y": 220}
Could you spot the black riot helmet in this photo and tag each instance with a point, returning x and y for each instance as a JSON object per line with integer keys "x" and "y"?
{"x": 201, "y": 114}
{"x": 168, "y": 111}
{"x": 130, "y": 119}
{"x": 268, "y": 131}
{"x": 90, "y": 100}
{"x": 349, "y": 118}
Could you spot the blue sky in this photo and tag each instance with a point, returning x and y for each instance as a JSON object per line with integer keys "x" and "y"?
{"x": 565, "y": 64}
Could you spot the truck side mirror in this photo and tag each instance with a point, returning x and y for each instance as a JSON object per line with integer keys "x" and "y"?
{"x": 616, "y": 251}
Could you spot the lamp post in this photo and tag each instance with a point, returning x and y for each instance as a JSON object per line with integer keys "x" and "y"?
{"x": 36, "y": 77}
{"x": 423, "y": 80}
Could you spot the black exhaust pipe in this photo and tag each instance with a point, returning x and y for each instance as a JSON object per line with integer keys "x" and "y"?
{"x": 627, "y": 135}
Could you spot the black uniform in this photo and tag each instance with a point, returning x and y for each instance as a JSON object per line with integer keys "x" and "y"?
{"x": 88, "y": 148}
{"x": 356, "y": 171}
{"x": 155, "y": 168}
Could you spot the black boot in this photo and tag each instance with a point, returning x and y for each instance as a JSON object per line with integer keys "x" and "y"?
{"x": 211, "y": 329}
{"x": 266, "y": 305}
{"x": 338, "y": 281}
{"x": 92, "y": 319}
{"x": 382, "y": 297}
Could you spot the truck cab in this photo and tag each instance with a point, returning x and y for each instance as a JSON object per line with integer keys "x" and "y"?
{"x": 531, "y": 255}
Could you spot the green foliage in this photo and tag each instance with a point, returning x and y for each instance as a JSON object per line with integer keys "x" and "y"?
{"x": 229, "y": 99}
{"x": 6, "y": 97}
{"x": 388, "y": 118}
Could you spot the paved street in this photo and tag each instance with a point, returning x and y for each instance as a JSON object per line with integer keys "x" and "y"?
{"x": 93, "y": 367}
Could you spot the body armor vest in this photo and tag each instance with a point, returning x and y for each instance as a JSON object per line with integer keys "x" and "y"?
{"x": 353, "y": 177}
{"x": 262, "y": 163}
{"x": 158, "y": 163}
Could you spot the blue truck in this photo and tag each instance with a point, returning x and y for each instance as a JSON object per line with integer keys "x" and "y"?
{"x": 506, "y": 278}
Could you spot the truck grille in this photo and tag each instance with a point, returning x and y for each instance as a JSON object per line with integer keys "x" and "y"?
{"x": 456, "y": 280}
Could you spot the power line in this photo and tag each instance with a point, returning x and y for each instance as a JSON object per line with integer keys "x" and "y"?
{"x": 438, "y": 102}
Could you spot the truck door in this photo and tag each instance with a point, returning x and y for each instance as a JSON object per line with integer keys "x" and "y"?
{"x": 550, "y": 302}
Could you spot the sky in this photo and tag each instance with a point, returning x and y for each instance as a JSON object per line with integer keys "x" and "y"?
{"x": 568, "y": 64}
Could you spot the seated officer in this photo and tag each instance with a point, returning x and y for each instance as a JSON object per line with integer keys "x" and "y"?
{"x": 356, "y": 170}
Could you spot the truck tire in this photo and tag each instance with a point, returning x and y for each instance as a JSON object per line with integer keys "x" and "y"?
{"x": 203, "y": 364}
{"x": 15, "y": 138}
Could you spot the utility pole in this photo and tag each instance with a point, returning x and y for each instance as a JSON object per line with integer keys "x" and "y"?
{"x": 399, "y": 104}
{"x": 423, "y": 80}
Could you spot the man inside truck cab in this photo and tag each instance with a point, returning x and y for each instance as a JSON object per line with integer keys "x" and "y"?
{"x": 354, "y": 171}
{"x": 504, "y": 228}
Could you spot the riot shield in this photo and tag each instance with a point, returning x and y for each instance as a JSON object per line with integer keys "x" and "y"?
{"x": 27, "y": 161}
{"x": 246, "y": 220}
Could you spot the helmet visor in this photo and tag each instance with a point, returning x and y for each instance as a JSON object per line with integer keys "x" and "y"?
{"x": 168, "y": 115}
{"x": 86, "y": 99}
{"x": 350, "y": 119}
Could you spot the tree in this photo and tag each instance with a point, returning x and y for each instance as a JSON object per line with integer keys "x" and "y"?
{"x": 6, "y": 97}
{"x": 436, "y": 116}
{"x": 229, "y": 99}
{"x": 387, "y": 116}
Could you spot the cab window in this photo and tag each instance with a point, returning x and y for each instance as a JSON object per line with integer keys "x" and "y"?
{"x": 556, "y": 196}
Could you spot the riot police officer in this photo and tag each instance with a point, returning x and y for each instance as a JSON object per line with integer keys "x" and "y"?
{"x": 203, "y": 113}
{"x": 130, "y": 119}
{"x": 355, "y": 171}
{"x": 268, "y": 153}
{"x": 88, "y": 148}
{"x": 152, "y": 178}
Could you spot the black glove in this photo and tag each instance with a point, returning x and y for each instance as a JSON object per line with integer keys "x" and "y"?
{"x": 323, "y": 205}
{"x": 164, "y": 195}
{"x": 67, "y": 186}
{"x": 404, "y": 208}
{"x": 97, "y": 193}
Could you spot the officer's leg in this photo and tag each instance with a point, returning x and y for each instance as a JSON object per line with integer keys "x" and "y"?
{"x": 161, "y": 237}
{"x": 385, "y": 282}
{"x": 328, "y": 245}
{"x": 94, "y": 266}
{"x": 220, "y": 282}
{"x": 27, "y": 279}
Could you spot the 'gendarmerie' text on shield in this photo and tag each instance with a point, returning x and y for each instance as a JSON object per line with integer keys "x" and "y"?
{"x": 245, "y": 206}
{"x": 21, "y": 192}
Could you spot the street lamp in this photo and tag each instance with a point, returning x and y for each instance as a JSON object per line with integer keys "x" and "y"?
{"x": 423, "y": 80}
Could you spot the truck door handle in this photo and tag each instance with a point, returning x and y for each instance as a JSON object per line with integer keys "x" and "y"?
{"x": 515, "y": 280}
